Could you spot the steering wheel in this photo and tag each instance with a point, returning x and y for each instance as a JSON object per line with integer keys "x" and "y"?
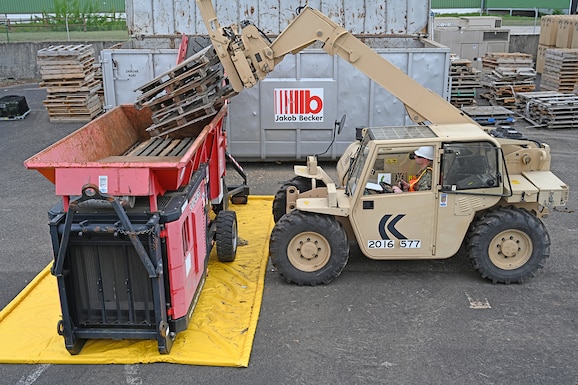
{"x": 387, "y": 188}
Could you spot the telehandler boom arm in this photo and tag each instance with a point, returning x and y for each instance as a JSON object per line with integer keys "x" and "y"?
{"x": 249, "y": 56}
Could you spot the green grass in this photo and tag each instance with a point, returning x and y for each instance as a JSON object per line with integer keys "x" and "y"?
{"x": 20, "y": 37}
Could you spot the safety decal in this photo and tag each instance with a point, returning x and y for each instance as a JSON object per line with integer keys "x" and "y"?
{"x": 386, "y": 223}
{"x": 387, "y": 227}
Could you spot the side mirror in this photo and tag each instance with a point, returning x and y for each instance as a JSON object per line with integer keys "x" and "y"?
{"x": 339, "y": 124}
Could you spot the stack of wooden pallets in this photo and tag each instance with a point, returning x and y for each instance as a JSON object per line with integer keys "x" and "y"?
{"x": 68, "y": 74}
{"x": 465, "y": 81}
{"x": 189, "y": 93}
{"x": 551, "y": 109}
{"x": 560, "y": 72}
{"x": 506, "y": 74}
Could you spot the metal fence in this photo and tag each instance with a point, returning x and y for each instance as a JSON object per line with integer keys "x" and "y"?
{"x": 51, "y": 6}
{"x": 501, "y": 4}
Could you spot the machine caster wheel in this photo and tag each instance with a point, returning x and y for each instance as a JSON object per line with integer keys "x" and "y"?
{"x": 227, "y": 235}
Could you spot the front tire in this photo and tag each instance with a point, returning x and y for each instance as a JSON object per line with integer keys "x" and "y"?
{"x": 308, "y": 249}
{"x": 508, "y": 245}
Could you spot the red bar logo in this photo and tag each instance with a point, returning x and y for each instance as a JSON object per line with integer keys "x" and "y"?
{"x": 298, "y": 104}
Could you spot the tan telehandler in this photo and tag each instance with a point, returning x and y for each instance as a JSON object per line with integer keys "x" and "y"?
{"x": 490, "y": 189}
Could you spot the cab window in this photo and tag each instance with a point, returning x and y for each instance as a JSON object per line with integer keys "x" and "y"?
{"x": 467, "y": 166}
{"x": 389, "y": 168}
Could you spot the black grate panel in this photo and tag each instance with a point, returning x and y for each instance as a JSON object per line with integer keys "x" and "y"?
{"x": 111, "y": 286}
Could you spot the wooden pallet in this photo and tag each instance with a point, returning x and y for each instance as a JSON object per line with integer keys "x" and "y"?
{"x": 70, "y": 52}
{"x": 489, "y": 115}
{"x": 188, "y": 93}
{"x": 72, "y": 87}
{"x": 185, "y": 115}
{"x": 551, "y": 109}
{"x": 194, "y": 67}
{"x": 492, "y": 60}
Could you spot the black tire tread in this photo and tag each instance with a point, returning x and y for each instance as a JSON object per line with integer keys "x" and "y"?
{"x": 226, "y": 236}
{"x": 500, "y": 219}
{"x": 296, "y": 222}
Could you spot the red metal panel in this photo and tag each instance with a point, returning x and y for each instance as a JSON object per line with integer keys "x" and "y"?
{"x": 186, "y": 266}
{"x": 113, "y": 181}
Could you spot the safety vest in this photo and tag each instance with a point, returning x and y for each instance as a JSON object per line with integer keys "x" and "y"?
{"x": 413, "y": 182}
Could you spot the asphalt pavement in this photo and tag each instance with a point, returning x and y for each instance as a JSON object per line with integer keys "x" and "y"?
{"x": 401, "y": 322}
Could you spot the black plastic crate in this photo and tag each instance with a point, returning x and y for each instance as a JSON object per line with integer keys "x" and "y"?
{"x": 13, "y": 107}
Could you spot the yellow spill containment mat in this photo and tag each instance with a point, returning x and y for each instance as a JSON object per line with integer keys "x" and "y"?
{"x": 220, "y": 333}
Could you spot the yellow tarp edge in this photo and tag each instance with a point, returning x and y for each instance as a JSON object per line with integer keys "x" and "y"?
{"x": 221, "y": 331}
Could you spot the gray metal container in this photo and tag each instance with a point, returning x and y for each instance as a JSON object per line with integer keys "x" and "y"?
{"x": 256, "y": 130}
{"x": 253, "y": 130}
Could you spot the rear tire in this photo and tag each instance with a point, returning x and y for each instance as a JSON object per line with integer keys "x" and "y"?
{"x": 226, "y": 236}
{"x": 308, "y": 249}
{"x": 508, "y": 245}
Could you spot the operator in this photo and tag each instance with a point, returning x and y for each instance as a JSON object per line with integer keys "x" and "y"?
{"x": 423, "y": 156}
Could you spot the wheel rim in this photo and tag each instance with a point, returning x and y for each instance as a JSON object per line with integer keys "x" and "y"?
{"x": 235, "y": 234}
{"x": 309, "y": 251}
{"x": 510, "y": 249}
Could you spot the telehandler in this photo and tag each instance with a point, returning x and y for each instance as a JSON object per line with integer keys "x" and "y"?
{"x": 489, "y": 189}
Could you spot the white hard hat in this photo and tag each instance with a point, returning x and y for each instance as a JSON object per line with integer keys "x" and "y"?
{"x": 425, "y": 152}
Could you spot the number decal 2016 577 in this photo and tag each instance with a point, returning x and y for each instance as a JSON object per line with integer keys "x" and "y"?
{"x": 391, "y": 244}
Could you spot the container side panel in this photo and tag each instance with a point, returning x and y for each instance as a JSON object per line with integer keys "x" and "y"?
{"x": 140, "y": 17}
{"x": 286, "y": 13}
{"x": 164, "y": 21}
{"x": 269, "y": 16}
{"x": 373, "y": 17}
{"x": 160, "y": 17}
{"x": 334, "y": 10}
{"x": 186, "y": 16}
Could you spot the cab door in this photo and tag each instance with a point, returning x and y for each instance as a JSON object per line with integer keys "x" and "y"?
{"x": 395, "y": 225}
